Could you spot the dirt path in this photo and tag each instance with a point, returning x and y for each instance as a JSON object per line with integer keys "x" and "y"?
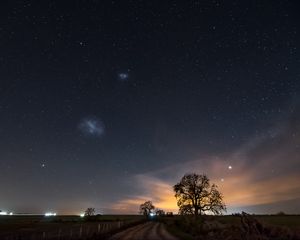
{"x": 146, "y": 231}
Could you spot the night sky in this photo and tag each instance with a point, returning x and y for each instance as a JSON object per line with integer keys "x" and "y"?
{"x": 107, "y": 104}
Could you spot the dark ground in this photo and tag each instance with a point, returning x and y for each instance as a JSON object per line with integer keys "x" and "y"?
{"x": 187, "y": 227}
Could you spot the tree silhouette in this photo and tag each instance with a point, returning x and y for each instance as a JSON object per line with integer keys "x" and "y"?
{"x": 146, "y": 208}
{"x": 160, "y": 212}
{"x": 196, "y": 196}
{"x": 89, "y": 212}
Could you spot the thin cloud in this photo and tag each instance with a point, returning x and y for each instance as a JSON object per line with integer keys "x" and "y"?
{"x": 263, "y": 171}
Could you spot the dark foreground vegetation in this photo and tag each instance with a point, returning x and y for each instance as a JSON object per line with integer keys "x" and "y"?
{"x": 65, "y": 227}
{"x": 235, "y": 227}
{"x": 188, "y": 227}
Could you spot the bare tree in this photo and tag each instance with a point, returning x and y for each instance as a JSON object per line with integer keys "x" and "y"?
{"x": 196, "y": 196}
{"x": 146, "y": 208}
{"x": 159, "y": 212}
{"x": 89, "y": 212}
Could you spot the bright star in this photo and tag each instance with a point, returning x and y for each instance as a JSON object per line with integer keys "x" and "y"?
{"x": 229, "y": 167}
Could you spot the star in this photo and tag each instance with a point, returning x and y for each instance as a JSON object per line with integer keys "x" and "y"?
{"x": 229, "y": 167}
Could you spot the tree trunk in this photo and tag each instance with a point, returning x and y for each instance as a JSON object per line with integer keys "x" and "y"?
{"x": 196, "y": 211}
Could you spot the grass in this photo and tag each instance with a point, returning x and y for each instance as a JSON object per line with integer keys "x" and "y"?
{"x": 188, "y": 227}
{"x": 172, "y": 227}
{"x": 35, "y": 224}
{"x": 290, "y": 221}
{"x": 185, "y": 228}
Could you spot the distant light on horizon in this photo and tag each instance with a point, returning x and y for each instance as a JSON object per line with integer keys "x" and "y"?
{"x": 49, "y": 214}
{"x": 6, "y": 213}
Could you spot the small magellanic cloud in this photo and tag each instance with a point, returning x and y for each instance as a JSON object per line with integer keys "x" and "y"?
{"x": 91, "y": 127}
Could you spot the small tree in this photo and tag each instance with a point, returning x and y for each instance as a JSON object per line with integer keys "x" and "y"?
{"x": 160, "y": 212}
{"x": 146, "y": 208}
{"x": 89, "y": 212}
{"x": 196, "y": 196}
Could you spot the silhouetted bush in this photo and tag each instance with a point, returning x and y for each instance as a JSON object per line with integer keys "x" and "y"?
{"x": 281, "y": 213}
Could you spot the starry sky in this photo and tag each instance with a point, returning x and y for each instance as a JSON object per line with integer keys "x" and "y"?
{"x": 107, "y": 104}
